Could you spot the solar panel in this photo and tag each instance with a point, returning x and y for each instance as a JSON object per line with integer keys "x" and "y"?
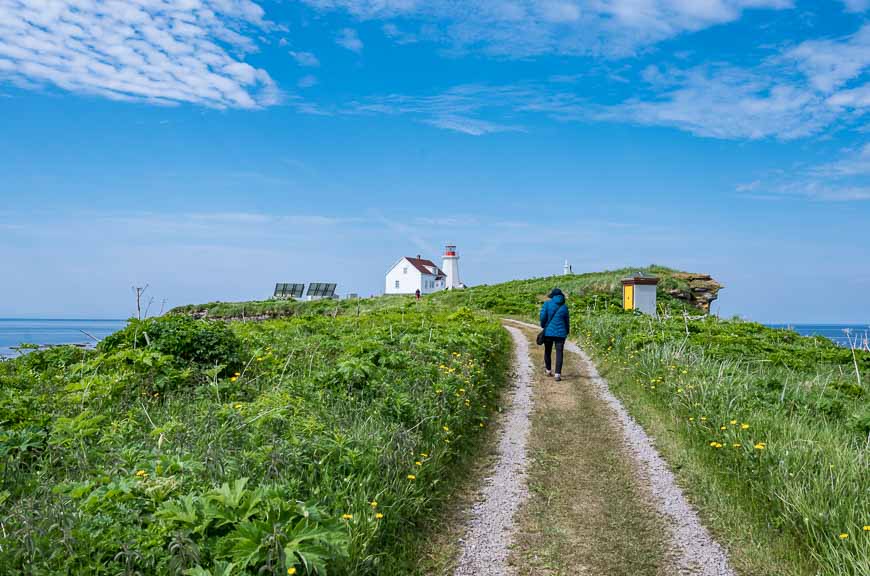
{"x": 283, "y": 290}
{"x": 321, "y": 290}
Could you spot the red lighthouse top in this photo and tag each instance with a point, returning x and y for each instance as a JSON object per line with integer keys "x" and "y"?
{"x": 450, "y": 250}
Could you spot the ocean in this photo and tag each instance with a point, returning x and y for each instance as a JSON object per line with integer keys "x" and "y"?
{"x": 836, "y": 332}
{"x": 16, "y": 331}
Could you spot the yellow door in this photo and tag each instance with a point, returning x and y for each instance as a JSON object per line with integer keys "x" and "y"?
{"x": 628, "y": 297}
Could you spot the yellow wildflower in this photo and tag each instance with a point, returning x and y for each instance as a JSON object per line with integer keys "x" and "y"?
{"x": 347, "y": 516}
{"x": 237, "y": 406}
{"x": 291, "y": 570}
{"x": 843, "y": 536}
{"x": 418, "y": 463}
{"x": 723, "y": 427}
{"x": 703, "y": 418}
{"x": 379, "y": 515}
{"x": 744, "y": 426}
{"x": 237, "y": 374}
{"x": 733, "y": 422}
{"x": 374, "y": 503}
{"x": 423, "y": 455}
{"x": 234, "y": 378}
{"x": 141, "y": 473}
{"x": 446, "y": 428}
{"x": 411, "y": 477}
{"x": 866, "y": 528}
{"x": 736, "y": 445}
{"x": 760, "y": 446}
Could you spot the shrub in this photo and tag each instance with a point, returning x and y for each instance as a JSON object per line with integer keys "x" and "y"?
{"x": 203, "y": 342}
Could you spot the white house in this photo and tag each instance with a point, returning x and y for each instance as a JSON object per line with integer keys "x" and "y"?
{"x": 411, "y": 274}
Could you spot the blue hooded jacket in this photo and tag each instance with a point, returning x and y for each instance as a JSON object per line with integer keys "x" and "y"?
{"x": 555, "y": 308}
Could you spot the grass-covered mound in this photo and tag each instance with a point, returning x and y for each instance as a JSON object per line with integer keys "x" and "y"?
{"x": 770, "y": 431}
{"x": 319, "y": 443}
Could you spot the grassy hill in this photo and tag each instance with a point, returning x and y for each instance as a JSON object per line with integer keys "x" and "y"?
{"x": 326, "y": 435}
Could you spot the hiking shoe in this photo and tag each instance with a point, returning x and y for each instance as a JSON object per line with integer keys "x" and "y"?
{"x": 558, "y": 377}
{"x": 549, "y": 373}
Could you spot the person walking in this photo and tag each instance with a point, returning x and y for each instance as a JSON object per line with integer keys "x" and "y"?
{"x": 556, "y": 323}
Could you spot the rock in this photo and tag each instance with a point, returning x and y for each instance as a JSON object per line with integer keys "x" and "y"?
{"x": 702, "y": 292}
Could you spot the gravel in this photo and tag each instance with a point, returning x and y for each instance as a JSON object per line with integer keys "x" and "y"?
{"x": 490, "y": 530}
{"x": 695, "y": 551}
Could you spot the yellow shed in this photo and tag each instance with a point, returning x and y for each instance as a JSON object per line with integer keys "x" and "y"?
{"x": 639, "y": 293}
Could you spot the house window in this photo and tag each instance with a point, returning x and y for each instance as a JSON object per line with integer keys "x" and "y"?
{"x": 397, "y": 283}
{"x": 405, "y": 270}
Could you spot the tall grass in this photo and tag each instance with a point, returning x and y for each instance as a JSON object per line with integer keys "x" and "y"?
{"x": 320, "y": 443}
{"x": 789, "y": 445}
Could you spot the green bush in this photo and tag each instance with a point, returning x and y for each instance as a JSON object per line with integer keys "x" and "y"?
{"x": 203, "y": 342}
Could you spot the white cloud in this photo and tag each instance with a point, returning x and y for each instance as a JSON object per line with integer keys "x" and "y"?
{"x": 528, "y": 27}
{"x": 348, "y": 38}
{"x": 830, "y": 64}
{"x": 159, "y": 51}
{"x": 306, "y": 59}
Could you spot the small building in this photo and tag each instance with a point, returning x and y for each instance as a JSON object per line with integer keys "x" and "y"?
{"x": 411, "y": 274}
{"x": 566, "y": 269}
{"x": 639, "y": 293}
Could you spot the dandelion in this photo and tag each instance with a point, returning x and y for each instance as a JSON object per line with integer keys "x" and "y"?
{"x": 703, "y": 418}
{"x": 744, "y": 426}
{"x": 691, "y": 418}
{"x": 423, "y": 455}
{"x": 374, "y": 503}
{"x": 446, "y": 428}
{"x": 733, "y": 422}
{"x": 237, "y": 374}
{"x": 735, "y": 445}
{"x": 291, "y": 570}
{"x": 760, "y": 446}
{"x": 379, "y": 515}
{"x": 723, "y": 427}
{"x": 866, "y": 528}
{"x": 843, "y": 536}
{"x": 234, "y": 378}
{"x": 418, "y": 463}
{"x": 237, "y": 406}
{"x": 347, "y": 516}
{"x": 411, "y": 477}
{"x": 141, "y": 474}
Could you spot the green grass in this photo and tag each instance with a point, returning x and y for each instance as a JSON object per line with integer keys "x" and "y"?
{"x": 200, "y": 449}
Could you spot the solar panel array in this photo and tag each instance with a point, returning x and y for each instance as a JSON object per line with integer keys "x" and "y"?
{"x": 289, "y": 290}
{"x": 321, "y": 290}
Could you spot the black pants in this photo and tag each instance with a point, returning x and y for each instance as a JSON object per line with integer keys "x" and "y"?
{"x": 548, "y": 351}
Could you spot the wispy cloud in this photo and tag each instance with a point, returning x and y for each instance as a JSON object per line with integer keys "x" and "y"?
{"x": 519, "y": 28}
{"x": 149, "y": 50}
{"x": 857, "y": 5}
{"x": 348, "y": 38}
{"x": 306, "y": 59}
{"x": 307, "y": 81}
{"x": 844, "y": 179}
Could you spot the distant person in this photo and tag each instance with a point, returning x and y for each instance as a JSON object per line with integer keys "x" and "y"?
{"x": 556, "y": 323}
{"x": 417, "y": 294}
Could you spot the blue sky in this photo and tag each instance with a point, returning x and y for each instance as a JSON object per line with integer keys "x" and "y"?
{"x": 211, "y": 148}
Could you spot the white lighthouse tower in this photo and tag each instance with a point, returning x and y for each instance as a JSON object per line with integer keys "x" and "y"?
{"x": 451, "y": 268}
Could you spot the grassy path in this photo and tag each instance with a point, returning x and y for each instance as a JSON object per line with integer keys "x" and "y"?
{"x": 602, "y": 502}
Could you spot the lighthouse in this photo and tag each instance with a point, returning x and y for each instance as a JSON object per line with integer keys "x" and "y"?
{"x": 451, "y": 268}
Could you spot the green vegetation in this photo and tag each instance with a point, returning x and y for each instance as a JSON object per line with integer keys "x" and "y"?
{"x": 319, "y": 443}
{"x": 770, "y": 431}
{"x": 190, "y": 446}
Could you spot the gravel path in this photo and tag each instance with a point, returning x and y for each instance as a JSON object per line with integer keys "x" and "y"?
{"x": 486, "y": 544}
{"x": 695, "y": 550}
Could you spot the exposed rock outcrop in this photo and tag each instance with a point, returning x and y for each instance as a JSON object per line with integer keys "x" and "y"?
{"x": 702, "y": 291}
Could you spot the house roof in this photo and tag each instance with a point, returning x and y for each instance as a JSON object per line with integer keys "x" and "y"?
{"x": 426, "y": 267}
